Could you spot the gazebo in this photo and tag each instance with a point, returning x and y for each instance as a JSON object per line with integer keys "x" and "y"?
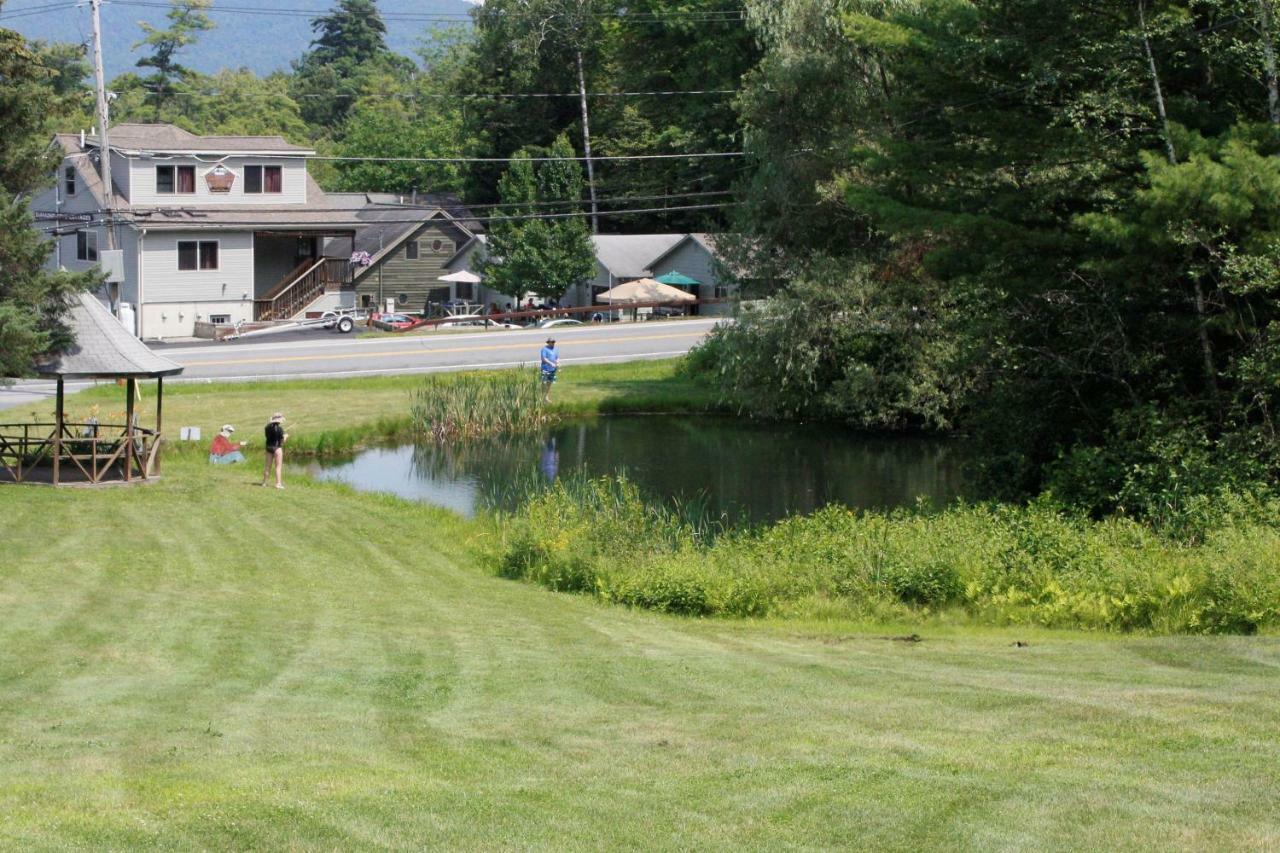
{"x": 90, "y": 452}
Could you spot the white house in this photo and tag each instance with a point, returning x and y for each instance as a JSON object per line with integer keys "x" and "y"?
{"x": 213, "y": 229}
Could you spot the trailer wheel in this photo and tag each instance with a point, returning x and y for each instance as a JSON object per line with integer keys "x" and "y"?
{"x": 345, "y": 325}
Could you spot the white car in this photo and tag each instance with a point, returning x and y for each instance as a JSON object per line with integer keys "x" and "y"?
{"x": 562, "y": 321}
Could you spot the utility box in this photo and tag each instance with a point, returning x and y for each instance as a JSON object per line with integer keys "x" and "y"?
{"x": 112, "y": 263}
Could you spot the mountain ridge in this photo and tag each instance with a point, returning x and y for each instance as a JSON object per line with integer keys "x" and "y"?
{"x": 237, "y": 40}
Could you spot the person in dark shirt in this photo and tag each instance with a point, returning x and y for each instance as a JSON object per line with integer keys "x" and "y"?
{"x": 276, "y": 437}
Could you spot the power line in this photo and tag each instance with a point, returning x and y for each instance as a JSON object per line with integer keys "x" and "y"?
{"x": 697, "y": 155}
{"x": 609, "y": 157}
{"x": 134, "y": 218}
{"x": 702, "y": 16}
{"x": 36, "y": 10}
{"x": 477, "y": 96}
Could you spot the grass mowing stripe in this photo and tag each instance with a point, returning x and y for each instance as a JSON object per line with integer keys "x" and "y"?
{"x": 207, "y": 663}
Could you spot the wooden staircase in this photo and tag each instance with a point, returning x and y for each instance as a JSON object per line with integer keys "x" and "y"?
{"x": 302, "y": 286}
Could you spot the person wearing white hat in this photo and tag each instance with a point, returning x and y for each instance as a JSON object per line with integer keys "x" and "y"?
{"x": 224, "y": 451}
{"x": 276, "y": 437}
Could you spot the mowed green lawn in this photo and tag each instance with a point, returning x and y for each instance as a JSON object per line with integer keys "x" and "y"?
{"x": 203, "y": 663}
{"x": 312, "y": 407}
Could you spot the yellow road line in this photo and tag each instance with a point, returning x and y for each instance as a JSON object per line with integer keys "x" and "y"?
{"x": 421, "y": 351}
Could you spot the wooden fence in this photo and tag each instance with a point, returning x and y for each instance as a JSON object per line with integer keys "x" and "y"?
{"x": 77, "y": 453}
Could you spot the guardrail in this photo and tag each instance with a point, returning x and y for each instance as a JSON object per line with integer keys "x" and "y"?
{"x": 553, "y": 313}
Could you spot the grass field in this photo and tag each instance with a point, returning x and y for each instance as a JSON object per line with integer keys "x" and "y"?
{"x": 203, "y": 663}
{"x": 321, "y": 413}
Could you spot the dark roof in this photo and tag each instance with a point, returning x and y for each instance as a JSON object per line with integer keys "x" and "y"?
{"x": 104, "y": 349}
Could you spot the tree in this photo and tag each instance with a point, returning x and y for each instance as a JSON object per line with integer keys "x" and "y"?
{"x": 187, "y": 18}
{"x": 33, "y": 300}
{"x": 385, "y": 131}
{"x": 348, "y": 60}
{"x": 353, "y": 32}
{"x": 545, "y": 256}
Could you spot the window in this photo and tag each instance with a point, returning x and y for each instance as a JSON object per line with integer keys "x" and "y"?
{"x": 220, "y": 319}
{"x": 411, "y": 250}
{"x": 263, "y": 179}
{"x": 722, "y": 291}
{"x": 197, "y": 254}
{"x": 86, "y": 245}
{"x": 403, "y": 298}
{"x": 465, "y": 291}
{"x": 69, "y": 179}
{"x": 437, "y": 246}
{"x": 176, "y": 179}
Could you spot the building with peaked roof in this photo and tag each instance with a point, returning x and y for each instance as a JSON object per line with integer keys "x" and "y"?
{"x": 621, "y": 258}
{"x": 219, "y": 229}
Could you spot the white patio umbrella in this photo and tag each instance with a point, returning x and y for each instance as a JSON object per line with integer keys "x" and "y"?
{"x": 466, "y": 276}
{"x": 644, "y": 290}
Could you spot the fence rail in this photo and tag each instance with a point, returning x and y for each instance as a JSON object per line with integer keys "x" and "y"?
{"x": 76, "y": 453}
{"x": 309, "y": 282}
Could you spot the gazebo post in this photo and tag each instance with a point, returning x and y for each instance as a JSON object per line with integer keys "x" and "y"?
{"x": 57, "y": 434}
{"x": 159, "y": 411}
{"x": 131, "y": 387}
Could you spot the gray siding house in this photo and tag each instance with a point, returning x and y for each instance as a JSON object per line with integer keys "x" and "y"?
{"x": 626, "y": 257}
{"x": 212, "y": 229}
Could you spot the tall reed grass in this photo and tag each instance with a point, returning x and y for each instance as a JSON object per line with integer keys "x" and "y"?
{"x": 474, "y": 405}
{"x": 987, "y": 564}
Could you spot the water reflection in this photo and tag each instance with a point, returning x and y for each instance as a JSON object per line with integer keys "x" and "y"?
{"x": 737, "y": 468}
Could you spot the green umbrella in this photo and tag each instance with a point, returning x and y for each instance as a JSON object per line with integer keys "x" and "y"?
{"x": 678, "y": 279}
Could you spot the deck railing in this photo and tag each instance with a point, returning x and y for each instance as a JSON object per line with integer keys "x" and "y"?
{"x": 78, "y": 453}
{"x": 304, "y": 285}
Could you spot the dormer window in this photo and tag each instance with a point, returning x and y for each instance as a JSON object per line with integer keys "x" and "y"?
{"x": 263, "y": 179}
{"x": 69, "y": 180}
{"x": 176, "y": 179}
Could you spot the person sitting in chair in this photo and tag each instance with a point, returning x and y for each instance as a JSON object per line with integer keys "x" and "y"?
{"x": 224, "y": 451}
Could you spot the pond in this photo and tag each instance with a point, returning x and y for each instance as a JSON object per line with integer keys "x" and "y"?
{"x": 741, "y": 470}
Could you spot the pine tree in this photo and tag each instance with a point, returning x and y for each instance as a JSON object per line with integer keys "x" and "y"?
{"x": 187, "y": 18}
{"x": 33, "y": 300}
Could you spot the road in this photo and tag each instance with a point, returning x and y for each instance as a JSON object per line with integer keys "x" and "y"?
{"x": 320, "y": 354}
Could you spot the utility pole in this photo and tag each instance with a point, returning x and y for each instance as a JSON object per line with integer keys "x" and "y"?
{"x": 104, "y": 147}
{"x": 586, "y": 144}
{"x": 104, "y": 151}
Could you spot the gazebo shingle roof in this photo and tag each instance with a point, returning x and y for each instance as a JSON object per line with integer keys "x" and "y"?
{"x": 104, "y": 349}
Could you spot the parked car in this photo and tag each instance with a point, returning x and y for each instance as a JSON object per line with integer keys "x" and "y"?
{"x": 393, "y": 322}
{"x": 561, "y": 321}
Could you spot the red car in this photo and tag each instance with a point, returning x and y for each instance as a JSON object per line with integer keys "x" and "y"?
{"x": 393, "y": 322}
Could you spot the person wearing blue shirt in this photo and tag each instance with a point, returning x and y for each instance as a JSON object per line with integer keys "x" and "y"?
{"x": 550, "y": 363}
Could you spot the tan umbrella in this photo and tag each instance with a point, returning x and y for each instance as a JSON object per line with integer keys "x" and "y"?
{"x": 644, "y": 290}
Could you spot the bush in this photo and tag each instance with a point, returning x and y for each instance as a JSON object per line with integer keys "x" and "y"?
{"x": 998, "y": 564}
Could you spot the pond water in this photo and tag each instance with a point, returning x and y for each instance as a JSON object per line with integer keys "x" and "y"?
{"x": 742, "y": 470}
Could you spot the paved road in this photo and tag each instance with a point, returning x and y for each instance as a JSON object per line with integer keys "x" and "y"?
{"x": 321, "y": 354}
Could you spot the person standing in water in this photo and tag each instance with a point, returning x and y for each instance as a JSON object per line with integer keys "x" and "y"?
{"x": 276, "y": 437}
{"x": 550, "y": 363}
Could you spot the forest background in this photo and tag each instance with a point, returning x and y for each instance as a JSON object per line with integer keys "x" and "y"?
{"x": 1050, "y": 226}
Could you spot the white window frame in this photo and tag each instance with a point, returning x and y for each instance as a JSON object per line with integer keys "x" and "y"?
{"x": 416, "y": 247}
{"x": 177, "y": 246}
{"x": 89, "y": 247}
{"x": 220, "y": 319}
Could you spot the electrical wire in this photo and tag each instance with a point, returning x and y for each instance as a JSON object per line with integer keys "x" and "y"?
{"x": 132, "y": 217}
